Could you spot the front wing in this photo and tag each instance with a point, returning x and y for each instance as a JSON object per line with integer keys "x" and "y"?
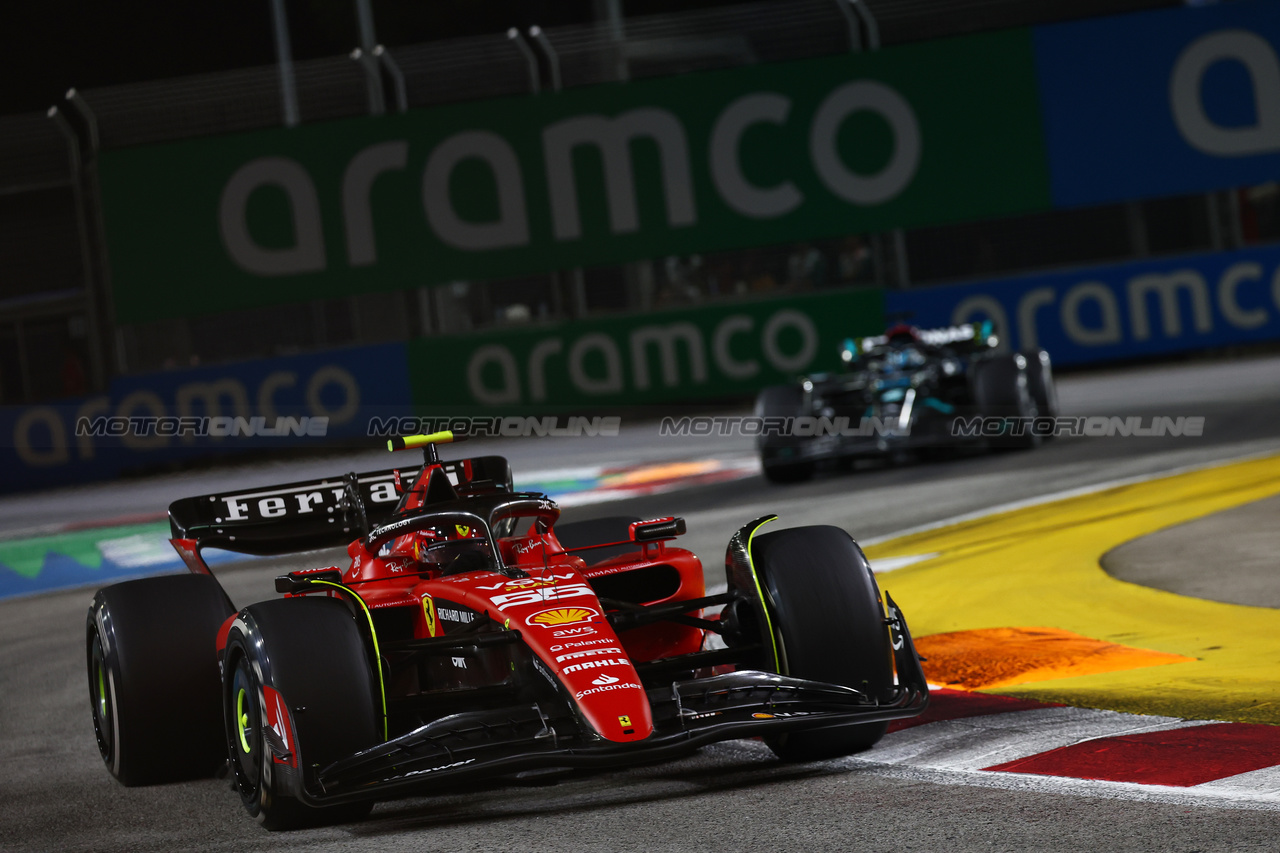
{"x": 687, "y": 715}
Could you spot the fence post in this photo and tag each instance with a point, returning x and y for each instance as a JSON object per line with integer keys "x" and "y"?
{"x": 851, "y": 21}
{"x": 284, "y": 62}
{"x": 535, "y": 81}
{"x": 553, "y": 58}
{"x": 397, "y": 77}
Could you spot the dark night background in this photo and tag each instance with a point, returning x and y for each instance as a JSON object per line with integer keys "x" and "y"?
{"x": 53, "y": 45}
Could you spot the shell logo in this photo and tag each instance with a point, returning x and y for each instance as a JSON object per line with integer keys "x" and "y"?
{"x": 562, "y": 616}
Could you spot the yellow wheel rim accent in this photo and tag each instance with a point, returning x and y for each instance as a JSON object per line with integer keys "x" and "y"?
{"x": 102, "y": 692}
{"x": 242, "y": 718}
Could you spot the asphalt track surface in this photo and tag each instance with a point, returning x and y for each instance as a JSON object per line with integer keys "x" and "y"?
{"x": 1173, "y": 559}
{"x": 57, "y": 796}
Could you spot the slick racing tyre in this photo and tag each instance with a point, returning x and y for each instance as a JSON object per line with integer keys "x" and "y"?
{"x": 153, "y": 677}
{"x": 826, "y": 608}
{"x": 1040, "y": 382}
{"x": 1001, "y": 388}
{"x": 778, "y": 454}
{"x": 298, "y": 694}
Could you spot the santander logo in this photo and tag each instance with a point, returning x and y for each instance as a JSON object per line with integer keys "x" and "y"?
{"x": 605, "y": 679}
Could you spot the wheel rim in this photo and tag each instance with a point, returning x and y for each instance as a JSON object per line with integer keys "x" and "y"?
{"x": 242, "y": 719}
{"x": 243, "y": 730}
{"x": 100, "y": 700}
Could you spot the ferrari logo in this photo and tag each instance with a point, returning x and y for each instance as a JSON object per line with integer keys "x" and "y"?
{"x": 429, "y": 614}
{"x": 624, "y": 721}
{"x": 464, "y": 530}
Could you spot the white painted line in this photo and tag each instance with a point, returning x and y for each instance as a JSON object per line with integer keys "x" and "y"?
{"x": 1264, "y": 782}
{"x": 727, "y": 469}
{"x": 889, "y": 564}
{"x": 559, "y": 474}
{"x": 138, "y": 550}
{"x": 1064, "y": 495}
{"x": 972, "y": 743}
{"x": 1201, "y": 796}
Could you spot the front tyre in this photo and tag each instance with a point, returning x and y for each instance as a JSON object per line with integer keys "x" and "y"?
{"x": 779, "y": 454}
{"x": 1002, "y": 389}
{"x": 830, "y": 621}
{"x": 299, "y": 694}
{"x": 1044, "y": 391}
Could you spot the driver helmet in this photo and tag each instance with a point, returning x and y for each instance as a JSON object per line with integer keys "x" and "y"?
{"x": 901, "y": 333}
{"x": 451, "y": 547}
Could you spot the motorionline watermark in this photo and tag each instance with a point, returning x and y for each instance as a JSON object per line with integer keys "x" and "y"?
{"x": 1093, "y": 426}
{"x": 222, "y": 426}
{"x": 510, "y": 426}
{"x": 977, "y": 426}
{"x": 801, "y": 426}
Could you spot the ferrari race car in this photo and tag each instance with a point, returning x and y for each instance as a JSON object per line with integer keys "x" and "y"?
{"x": 907, "y": 390}
{"x": 472, "y": 636}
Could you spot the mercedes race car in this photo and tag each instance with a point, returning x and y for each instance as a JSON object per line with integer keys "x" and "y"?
{"x": 472, "y": 636}
{"x": 905, "y": 391}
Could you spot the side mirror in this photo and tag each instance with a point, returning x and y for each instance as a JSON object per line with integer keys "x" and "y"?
{"x": 658, "y": 528}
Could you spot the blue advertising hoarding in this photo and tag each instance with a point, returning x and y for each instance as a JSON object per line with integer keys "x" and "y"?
{"x": 184, "y": 414}
{"x": 1161, "y": 103}
{"x": 1098, "y": 314}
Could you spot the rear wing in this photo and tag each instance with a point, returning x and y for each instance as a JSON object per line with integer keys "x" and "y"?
{"x": 313, "y": 514}
{"x": 977, "y": 336}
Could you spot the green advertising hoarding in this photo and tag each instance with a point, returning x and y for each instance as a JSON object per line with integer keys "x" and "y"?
{"x": 908, "y": 136}
{"x": 693, "y": 354}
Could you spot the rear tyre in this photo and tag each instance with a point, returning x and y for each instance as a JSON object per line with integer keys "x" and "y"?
{"x": 788, "y": 472}
{"x": 1001, "y": 389}
{"x": 309, "y": 651}
{"x": 153, "y": 677}
{"x": 826, "y": 607}
{"x": 778, "y": 454}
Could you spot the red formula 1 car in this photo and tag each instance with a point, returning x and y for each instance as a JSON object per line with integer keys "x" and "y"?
{"x": 473, "y": 636}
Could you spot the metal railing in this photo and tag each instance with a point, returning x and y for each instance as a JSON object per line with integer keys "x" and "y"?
{"x": 50, "y": 234}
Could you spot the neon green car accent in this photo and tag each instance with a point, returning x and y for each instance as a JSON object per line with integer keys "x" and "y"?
{"x": 382, "y": 688}
{"x": 755, "y": 577}
{"x": 102, "y": 691}
{"x": 242, "y": 719}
